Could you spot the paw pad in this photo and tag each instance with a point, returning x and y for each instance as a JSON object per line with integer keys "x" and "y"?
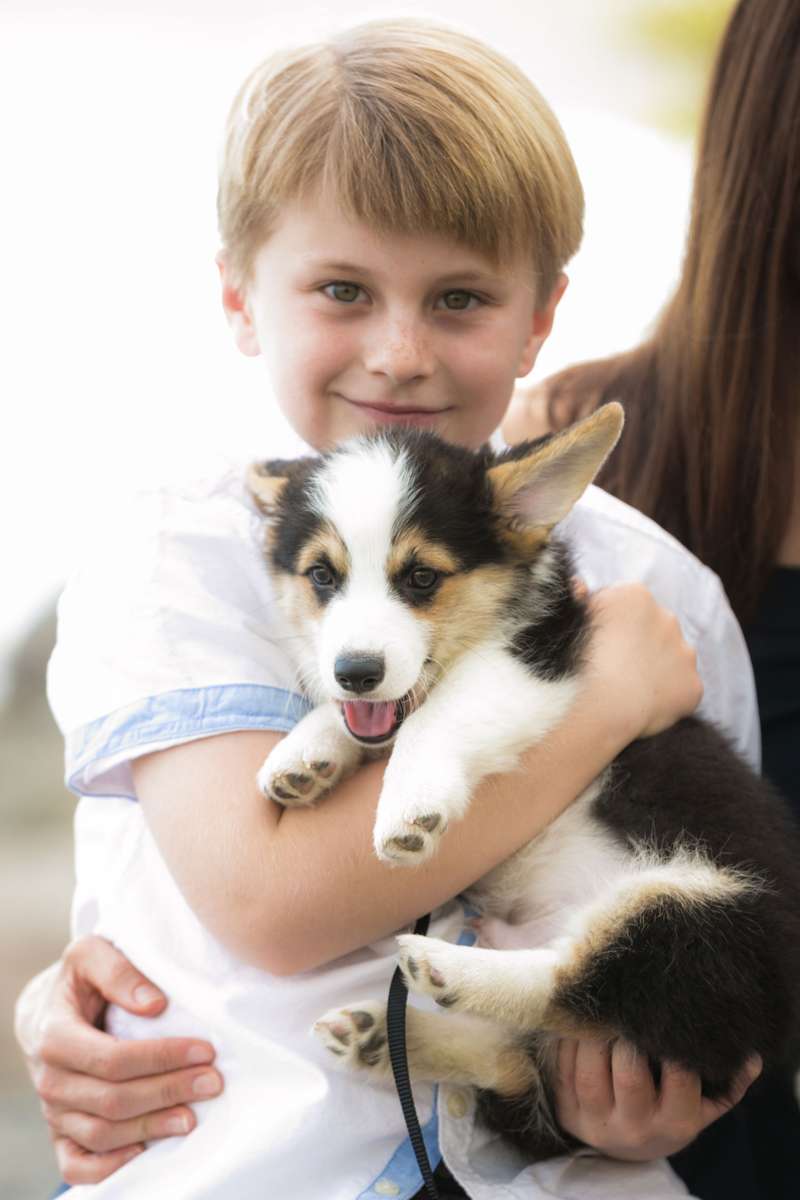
{"x": 357, "y": 1035}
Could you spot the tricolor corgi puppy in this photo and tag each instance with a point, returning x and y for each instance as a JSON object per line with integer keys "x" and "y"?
{"x": 437, "y": 619}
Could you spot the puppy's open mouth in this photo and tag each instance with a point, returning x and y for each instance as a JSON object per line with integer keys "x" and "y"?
{"x": 375, "y": 721}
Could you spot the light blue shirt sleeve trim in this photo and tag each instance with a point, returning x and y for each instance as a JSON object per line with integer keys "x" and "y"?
{"x": 178, "y": 716}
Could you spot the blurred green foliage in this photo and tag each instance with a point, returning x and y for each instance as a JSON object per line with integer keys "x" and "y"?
{"x": 680, "y": 37}
{"x": 32, "y": 794}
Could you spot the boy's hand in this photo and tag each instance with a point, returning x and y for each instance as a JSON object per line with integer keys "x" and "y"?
{"x": 104, "y": 1098}
{"x": 606, "y": 1097}
{"x": 644, "y": 673}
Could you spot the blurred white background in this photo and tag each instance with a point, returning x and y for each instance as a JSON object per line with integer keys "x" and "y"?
{"x": 116, "y": 364}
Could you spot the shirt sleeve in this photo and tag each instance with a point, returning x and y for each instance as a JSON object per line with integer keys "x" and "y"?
{"x": 169, "y": 633}
{"x": 729, "y": 696}
{"x": 614, "y": 543}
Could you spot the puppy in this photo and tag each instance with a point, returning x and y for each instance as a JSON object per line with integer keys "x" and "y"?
{"x": 436, "y": 617}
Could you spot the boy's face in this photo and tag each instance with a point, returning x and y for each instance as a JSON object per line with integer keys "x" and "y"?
{"x": 361, "y": 329}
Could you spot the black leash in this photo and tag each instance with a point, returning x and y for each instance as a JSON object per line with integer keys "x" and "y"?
{"x": 396, "y": 1034}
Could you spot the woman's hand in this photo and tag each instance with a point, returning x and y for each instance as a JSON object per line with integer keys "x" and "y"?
{"x": 639, "y": 666}
{"x": 607, "y": 1098}
{"x": 104, "y": 1098}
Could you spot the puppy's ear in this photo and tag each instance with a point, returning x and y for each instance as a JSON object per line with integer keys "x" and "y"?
{"x": 535, "y": 491}
{"x": 266, "y": 481}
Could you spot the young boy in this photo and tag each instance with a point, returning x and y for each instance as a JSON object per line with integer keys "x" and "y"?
{"x": 396, "y": 207}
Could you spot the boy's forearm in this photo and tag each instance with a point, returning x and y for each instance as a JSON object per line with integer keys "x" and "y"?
{"x": 289, "y": 890}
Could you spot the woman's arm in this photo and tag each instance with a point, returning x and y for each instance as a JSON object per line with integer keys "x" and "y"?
{"x": 291, "y": 889}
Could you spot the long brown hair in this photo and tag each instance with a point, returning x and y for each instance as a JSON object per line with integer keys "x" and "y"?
{"x": 711, "y": 397}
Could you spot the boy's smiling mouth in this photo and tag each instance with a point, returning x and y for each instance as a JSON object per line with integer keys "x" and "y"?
{"x": 391, "y": 413}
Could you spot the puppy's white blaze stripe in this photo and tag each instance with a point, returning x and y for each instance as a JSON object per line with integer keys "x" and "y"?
{"x": 361, "y": 492}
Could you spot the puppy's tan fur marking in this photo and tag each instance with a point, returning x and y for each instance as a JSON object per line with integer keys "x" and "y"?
{"x": 326, "y": 544}
{"x": 265, "y": 489}
{"x": 457, "y": 1049}
{"x": 534, "y": 493}
{"x": 413, "y": 544}
{"x": 465, "y": 610}
{"x": 295, "y": 595}
{"x": 689, "y": 880}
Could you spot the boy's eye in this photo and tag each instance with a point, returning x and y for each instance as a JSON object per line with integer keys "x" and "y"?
{"x": 321, "y": 576}
{"x": 422, "y": 578}
{"x": 345, "y": 293}
{"x": 459, "y": 301}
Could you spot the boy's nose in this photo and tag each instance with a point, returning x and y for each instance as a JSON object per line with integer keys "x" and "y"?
{"x": 400, "y": 351}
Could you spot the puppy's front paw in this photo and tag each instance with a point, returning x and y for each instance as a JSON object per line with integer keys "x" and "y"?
{"x": 410, "y": 840}
{"x": 421, "y": 794}
{"x": 299, "y": 770}
{"x": 357, "y": 1036}
{"x": 297, "y": 783}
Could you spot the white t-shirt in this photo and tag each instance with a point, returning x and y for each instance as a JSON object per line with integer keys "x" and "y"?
{"x": 170, "y": 633}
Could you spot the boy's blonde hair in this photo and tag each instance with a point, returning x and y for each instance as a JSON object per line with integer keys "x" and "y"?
{"x": 411, "y": 128}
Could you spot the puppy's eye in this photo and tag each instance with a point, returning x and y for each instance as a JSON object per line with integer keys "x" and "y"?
{"x": 321, "y": 576}
{"x": 422, "y": 578}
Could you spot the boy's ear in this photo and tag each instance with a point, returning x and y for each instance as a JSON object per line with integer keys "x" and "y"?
{"x": 542, "y": 325}
{"x": 234, "y": 303}
{"x": 534, "y": 492}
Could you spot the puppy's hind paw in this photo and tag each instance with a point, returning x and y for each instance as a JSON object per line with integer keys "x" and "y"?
{"x": 431, "y": 968}
{"x": 357, "y": 1036}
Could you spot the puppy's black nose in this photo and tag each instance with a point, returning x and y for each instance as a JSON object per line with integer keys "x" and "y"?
{"x": 359, "y": 673}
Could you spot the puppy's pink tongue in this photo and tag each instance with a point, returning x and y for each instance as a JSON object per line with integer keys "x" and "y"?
{"x": 367, "y": 719}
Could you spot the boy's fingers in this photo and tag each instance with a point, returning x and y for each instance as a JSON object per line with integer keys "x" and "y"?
{"x": 593, "y": 1085}
{"x": 634, "y": 1089}
{"x": 81, "y": 1166}
{"x": 100, "y": 1136}
{"x": 681, "y": 1092}
{"x": 95, "y": 962}
{"x": 565, "y": 1068}
{"x": 71, "y": 1046}
{"x": 70, "y": 1092}
{"x": 711, "y": 1110}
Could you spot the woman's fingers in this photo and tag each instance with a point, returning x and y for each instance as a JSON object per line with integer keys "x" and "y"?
{"x": 69, "y": 1043}
{"x": 67, "y": 1091}
{"x": 101, "y": 1137}
{"x": 96, "y": 967}
{"x": 82, "y": 1166}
